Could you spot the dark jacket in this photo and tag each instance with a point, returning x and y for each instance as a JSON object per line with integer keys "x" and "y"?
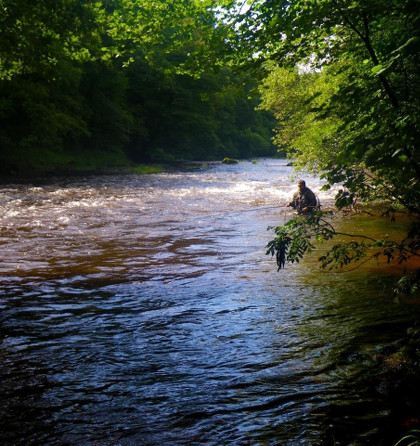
{"x": 304, "y": 199}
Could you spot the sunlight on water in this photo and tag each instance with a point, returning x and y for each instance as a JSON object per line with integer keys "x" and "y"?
{"x": 142, "y": 309}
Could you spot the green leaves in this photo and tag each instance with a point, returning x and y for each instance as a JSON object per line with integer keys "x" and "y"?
{"x": 299, "y": 236}
{"x": 32, "y": 34}
{"x": 376, "y": 69}
{"x": 296, "y": 238}
{"x": 343, "y": 254}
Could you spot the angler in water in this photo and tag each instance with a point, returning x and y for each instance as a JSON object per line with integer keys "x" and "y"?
{"x": 304, "y": 201}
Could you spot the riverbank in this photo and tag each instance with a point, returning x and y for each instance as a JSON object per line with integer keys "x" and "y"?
{"x": 42, "y": 161}
{"x": 81, "y": 164}
{"x": 118, "y": 166}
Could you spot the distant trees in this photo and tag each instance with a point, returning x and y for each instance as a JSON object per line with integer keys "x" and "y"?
{"x": 178, "y": 116}
{"x": 90, "y": 84}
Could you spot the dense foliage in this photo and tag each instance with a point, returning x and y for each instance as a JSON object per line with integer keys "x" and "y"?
{"x": 343, "y": 84}
{"x": 351, "y": 108}
{"x": 105, "y": 83}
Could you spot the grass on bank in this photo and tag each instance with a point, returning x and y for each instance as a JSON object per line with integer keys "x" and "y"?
{"x": 147, "y": 168}
{"x": 46, "y": 162}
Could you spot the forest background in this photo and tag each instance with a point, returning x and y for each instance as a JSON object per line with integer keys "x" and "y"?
{"x": 88, "y": 85}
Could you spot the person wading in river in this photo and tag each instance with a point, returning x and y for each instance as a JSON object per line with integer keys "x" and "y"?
{"x": 304, "y": 201}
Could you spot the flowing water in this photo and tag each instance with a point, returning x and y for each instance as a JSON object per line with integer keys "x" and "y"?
{"x": 142, "y": 310}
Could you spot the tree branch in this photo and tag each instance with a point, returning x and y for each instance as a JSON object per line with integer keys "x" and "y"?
{"x": 368, "y": 44}
{"x": 326, "y": 223}
{"x": 390, "y": 192}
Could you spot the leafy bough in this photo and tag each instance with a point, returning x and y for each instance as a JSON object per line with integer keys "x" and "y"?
{"x": 296, "y": 238}
{"x": 300, "y": 234}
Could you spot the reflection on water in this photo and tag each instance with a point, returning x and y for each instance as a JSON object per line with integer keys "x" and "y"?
{"x": 143, "y": 310}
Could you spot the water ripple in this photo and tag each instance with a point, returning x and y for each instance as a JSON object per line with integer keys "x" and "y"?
{"x": 143, "y": 310}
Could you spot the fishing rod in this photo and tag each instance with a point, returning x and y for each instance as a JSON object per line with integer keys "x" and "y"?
{"x": 261, "y": 208}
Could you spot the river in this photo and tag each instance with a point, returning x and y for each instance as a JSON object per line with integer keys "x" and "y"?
{"x": 143, "y": 310}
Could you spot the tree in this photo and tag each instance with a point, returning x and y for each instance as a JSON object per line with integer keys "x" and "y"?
{"x": 177, "y": 116}
{"x": 349, "y": 109}
{"x": 39, "y": 37}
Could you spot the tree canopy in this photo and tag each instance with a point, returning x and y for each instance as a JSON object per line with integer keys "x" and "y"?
{"x": 343, "y": 83}
{"x": 368, "y": 51}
